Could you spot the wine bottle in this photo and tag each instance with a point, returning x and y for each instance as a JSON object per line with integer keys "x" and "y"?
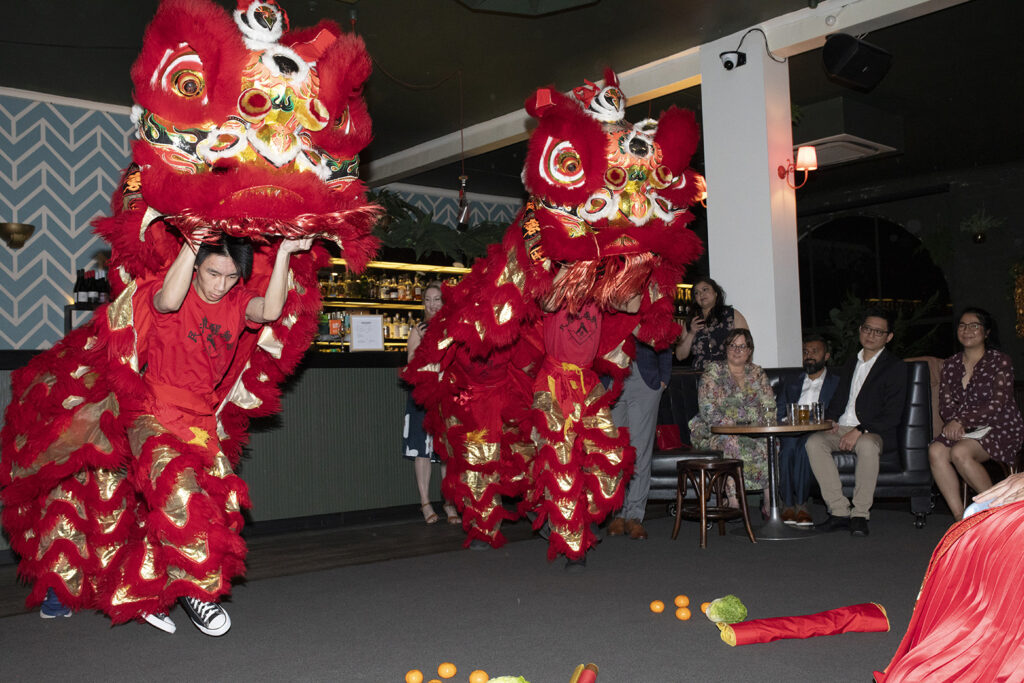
{"x": 78, "y": 293}
{"x": 103, "y": 286}
{"x": 92, "y": 294}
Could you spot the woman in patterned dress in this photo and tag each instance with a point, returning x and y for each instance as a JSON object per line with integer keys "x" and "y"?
{"x": 982, "y": 420}
{"x": 731, "y": 392}
{"x": 703, "y": 339}
{"x": 418, "y": 445}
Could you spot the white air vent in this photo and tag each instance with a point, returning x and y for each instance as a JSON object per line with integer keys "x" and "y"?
{"x": 844, "y": 130}
{"x": 838, "y": 149}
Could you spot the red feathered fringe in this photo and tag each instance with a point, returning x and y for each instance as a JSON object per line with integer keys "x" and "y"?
{"x": 588, "y": 448}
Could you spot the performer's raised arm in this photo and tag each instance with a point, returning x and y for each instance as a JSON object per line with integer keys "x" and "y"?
{"x": 177, "y": 281}
{"x": 267, "y": 308}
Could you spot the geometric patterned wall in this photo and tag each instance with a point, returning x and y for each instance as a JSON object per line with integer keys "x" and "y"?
{"x": 59, "y": 163}
{"x": 445, "y": 203}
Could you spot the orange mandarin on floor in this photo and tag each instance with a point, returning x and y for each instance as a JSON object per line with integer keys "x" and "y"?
{"x": 414, "y": 676}
{"x": 446, "y": 670}
{"x": 683, "y": 613}
{"x": 479, "y": 676}
{"x": 682, "y": 601}
{"x": 657, "y": 607}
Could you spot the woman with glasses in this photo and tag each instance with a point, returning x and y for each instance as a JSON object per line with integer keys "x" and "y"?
{"x": 731, "y": 392}
{"x": 703, "y": 338}
{"x": 976, "y": 403}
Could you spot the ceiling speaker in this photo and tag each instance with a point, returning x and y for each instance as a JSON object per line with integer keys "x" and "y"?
{"x": 854, "y": 63}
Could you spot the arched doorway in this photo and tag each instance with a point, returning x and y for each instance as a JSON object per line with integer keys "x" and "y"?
{"x": 856, "y": 261}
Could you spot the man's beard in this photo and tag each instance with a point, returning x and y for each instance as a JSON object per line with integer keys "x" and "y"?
{"x": 812, "y": 366}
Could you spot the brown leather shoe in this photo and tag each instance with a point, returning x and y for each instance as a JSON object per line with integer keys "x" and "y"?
{"x": 635, "y": 529}
{"x": 616, "y": 527}
{"x": 803, "y": 518}
{"x": 789, "y": 516}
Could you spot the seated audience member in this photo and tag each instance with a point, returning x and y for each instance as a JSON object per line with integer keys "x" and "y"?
{"x": 814, "y": 385}
{"x": 735, "y": 391}
{"x": 866, "y": 408}
{"x": 966, "y": 624}
{"x": 704, "y": 337}
{"x": 981, "y": 420}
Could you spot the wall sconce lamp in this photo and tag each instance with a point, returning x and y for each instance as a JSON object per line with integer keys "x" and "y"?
{"x": 806, "y": 160}
{"x": 15, "y": 234}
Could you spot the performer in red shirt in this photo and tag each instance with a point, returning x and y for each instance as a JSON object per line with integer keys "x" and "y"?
{"x": 189, "y": 547}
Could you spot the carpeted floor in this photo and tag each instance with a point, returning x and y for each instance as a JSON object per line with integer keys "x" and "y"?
{"x": 509, "y": 611}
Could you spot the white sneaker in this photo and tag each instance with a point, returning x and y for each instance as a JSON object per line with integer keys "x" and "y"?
{"x": 209, "y": 617}
{"x": 160, "y": 621}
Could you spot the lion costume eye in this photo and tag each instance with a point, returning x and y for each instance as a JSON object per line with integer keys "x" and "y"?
{"x": 561, "y": 164}
{"x": 188, "y": 83}
{"x": 181, "y": 73}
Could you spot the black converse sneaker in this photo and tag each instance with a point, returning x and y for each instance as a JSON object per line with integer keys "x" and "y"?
{"x": 209, "y": 617}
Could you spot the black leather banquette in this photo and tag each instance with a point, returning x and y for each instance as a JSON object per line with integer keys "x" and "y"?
{"x": 904, "y": 472}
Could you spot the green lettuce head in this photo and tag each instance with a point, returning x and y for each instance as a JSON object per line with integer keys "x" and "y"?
{"x": 727, "y": 610}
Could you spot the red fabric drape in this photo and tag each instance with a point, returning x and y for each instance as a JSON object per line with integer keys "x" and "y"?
{"x": 865, "y": 618}
{"x": 967, "y": 623}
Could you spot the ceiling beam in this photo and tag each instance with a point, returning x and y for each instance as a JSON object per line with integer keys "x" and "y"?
{"x": 788, "y": 35}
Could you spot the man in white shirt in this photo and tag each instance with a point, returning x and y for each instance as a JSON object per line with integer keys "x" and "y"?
{"x": 814, "y": 385}
{"x": 867, "y": 408}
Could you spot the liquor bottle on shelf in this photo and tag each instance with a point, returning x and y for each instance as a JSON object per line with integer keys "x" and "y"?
{"x": 103, "y": 287}
{"x": 79, "y": 294}
{"x": 417, "y": 288}
{"x": 92, "y": 294}
{"x": 345, "y": 285}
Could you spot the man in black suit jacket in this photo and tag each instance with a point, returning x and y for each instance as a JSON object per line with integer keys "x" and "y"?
{"x": 814, "y": 385}
{"x": 866, "y": 409}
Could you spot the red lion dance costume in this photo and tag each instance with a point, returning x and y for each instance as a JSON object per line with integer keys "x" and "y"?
{"x": 605, "y": 225}
{"x": 247, "y": 129}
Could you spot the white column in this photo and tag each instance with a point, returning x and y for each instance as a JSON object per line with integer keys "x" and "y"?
{"x": 751, "y": 212}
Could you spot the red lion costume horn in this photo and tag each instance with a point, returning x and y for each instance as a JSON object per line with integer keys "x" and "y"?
{"x": 605, "y": 225}
{"x": 244, "y": 128}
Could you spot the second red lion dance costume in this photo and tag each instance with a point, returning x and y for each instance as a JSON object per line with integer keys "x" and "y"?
{"x": 508, "y": 371}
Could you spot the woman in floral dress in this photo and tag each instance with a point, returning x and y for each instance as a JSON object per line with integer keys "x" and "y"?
{"x": 981, "y": 418}
{"x": 731, "y": 392}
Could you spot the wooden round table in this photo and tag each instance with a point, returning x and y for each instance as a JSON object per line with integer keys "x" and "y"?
{"x": 774, "y": 529}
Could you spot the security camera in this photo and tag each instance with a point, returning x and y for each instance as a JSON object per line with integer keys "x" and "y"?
{"x": 732, "y": 59}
